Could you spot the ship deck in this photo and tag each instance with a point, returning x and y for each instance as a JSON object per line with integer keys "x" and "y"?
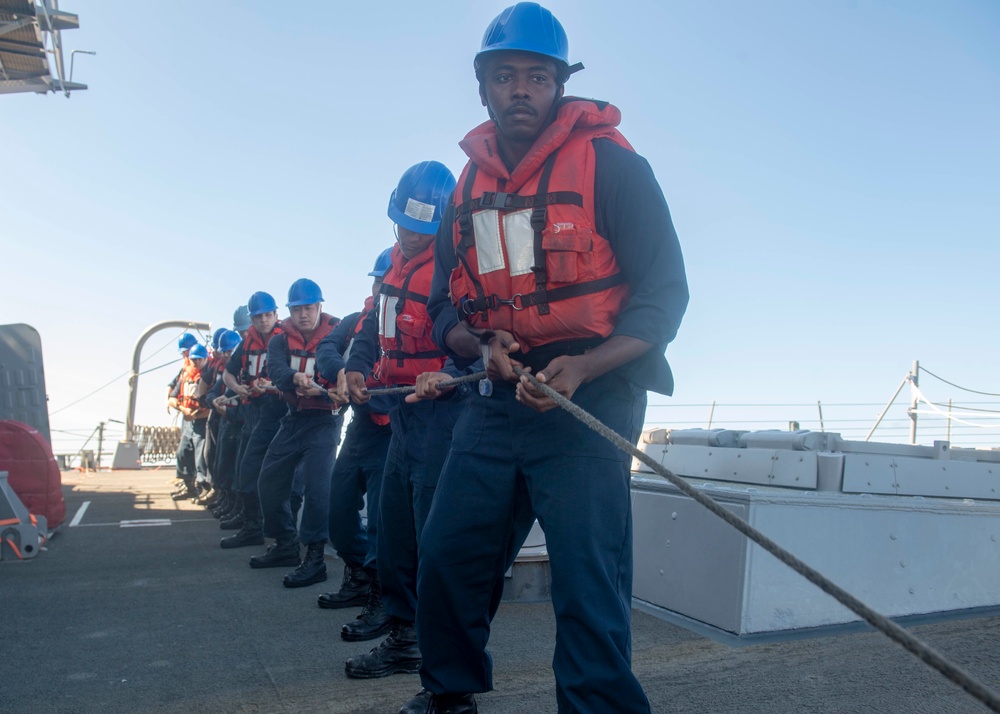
{"x": 153, "y": 616}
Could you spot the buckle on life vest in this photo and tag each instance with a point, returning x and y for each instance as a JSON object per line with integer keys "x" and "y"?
{"x": 495, "y": 199}
{"x": 493, "y": 302}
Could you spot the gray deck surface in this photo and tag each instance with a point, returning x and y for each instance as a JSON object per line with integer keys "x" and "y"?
{"x": 160, "y": 619}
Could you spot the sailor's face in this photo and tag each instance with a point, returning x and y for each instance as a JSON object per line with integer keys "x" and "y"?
{"x": 412, "y": 243}
{"x": 520, "y": 89}
{"x": 306, "y": 317}
{"x": 265, "y": 322}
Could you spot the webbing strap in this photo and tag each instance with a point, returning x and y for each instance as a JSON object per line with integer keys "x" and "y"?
{"x": 403, "y": 293}
{"x": 521, "y": 301}
{"x": 512, "y": 201}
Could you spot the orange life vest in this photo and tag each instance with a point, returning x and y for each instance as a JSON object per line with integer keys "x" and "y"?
{"x": 190, "y": 376}
{"x": 255, "y": 357}
{"x": 302, "y": 358}
{"x": 404, "y": 327}
{"x": 530, "y": 260}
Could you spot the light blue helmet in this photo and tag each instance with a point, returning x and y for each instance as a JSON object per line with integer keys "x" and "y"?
{"x": 198, "y": 351}
{"x": 304, "y": 292}
{"x": 382, "y": 264}
{"x": 241, "y": 319}
{"x": 421, "y": 197}
{"x": 229, "y": 341}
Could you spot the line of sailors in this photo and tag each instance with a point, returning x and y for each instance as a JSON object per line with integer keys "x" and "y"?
{"x": 556, "y": 255}
{"x": 263, "y": 416}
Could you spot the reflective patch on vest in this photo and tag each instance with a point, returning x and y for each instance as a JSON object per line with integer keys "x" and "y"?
{"x": 303, "y": 364}
{"x": 387, "y": 317}
{"x": 423, "y": 212}
{"x": 489, "y": 254}
{"x": 520, "y": 239}
{"x": 256, "y": 364}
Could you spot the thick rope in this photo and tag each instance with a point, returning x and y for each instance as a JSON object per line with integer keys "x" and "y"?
{"x": 881, "y": 623}
{"x": 440, "y": 385}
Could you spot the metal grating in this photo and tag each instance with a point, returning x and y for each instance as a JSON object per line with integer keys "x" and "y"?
{"x": 29, "y": 35}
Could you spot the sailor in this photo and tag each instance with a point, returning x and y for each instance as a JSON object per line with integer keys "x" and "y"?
{"x": 421, "y": 432}
{"x": 231, "y": 437}
{"x": 241, "y": 321}
{"x": 184, "y": 398}
{"x": 307, "y": 440}
{"x": 247, "y": 376}
{"x": 559, "y": 252}
{"x": 220, "y": 460}
{"x": 210, "y": 375}
{"x": 185, "y": 472}
{"x": 357, "y": 472}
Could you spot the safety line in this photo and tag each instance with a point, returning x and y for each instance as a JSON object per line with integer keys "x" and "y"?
{"x": 921, "y": 650}
{"x": 475, "y": 377}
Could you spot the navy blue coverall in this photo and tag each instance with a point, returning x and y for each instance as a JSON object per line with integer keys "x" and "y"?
{"x": 307, "y": 439}
{"x": 261, "y": 420}
{"x": 421, "y": 437}
{"x": 360, "y": 462}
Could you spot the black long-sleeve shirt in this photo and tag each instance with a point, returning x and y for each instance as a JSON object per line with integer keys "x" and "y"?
{"x": 632, "y": 214}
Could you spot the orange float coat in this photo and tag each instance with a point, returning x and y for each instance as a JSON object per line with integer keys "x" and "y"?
{"x": 530, "y": 259}
{"x": 404, "y": 327}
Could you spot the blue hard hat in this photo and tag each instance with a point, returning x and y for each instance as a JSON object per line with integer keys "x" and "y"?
{"x": 382, "y": 264}
{"x": 421, "y": 197}
{"x": 229, "y": 340}
{"x": 215, "y": 337}
{"x": 527, "y": 27}
{"x": 186, "y": 342}
{"x": 198, "y": 351}
{"x": 241, "y": 318}
{"x": 261, "y": 302}
{"x": 304, "y": 292}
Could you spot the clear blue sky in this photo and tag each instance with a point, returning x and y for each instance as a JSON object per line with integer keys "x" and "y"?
{"x": 833, "y": 170}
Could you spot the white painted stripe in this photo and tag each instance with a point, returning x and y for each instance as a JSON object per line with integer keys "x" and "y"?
{"x": 147, "y": 522}
{"x": 118, "y": 524}
{"x": 79, "y": 514}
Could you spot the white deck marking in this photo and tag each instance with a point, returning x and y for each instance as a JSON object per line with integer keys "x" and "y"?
{"x": 146, "y": 522}
{"x": 79, "y": 514}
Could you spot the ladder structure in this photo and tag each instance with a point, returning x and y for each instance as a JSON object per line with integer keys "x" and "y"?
{"x": 31, "y": 33}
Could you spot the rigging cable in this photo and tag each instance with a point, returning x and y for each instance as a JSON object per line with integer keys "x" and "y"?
{"x": 964, "y": 389}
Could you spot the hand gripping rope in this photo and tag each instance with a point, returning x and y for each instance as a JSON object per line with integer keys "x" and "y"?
{"x": 890, "y": 629}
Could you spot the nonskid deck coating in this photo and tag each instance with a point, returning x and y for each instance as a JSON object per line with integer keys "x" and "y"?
{"x": 160, "y": 619}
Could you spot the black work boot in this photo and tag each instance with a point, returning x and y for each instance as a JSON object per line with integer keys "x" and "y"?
{"x": 373, "y": 621}
{"x": 252, "y": 530}
{"x": 249, "y": 534}
{"x": 234, "y": 512}
{"x": 311, "y": 571}
{"x": 397, "y": 654}
{"x": 280, "y": 554}
{"x": 222, "y": 505}
{"x": 353, "y": 591}
{"x": 247, "y": 503}
{"x": 188, "y": 492}
{"x": 426, "y": 703}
